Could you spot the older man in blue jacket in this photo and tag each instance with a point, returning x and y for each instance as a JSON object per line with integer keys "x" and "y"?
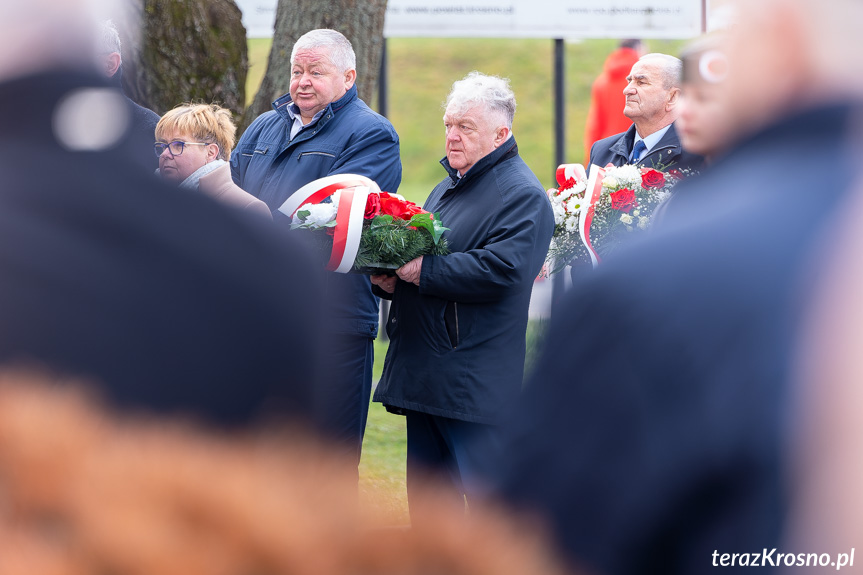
{"x": 457, "y": 323}
{"x": 318, "y": 129}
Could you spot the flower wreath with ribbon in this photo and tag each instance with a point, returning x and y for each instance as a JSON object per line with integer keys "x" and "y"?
{"x": 370, "y": 230}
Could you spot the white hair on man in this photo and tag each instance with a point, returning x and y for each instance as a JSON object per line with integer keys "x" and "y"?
{"x": 672, "y": 68}
{"x": 341, "y": 52}
{"x": 492, "y": 92}
{"x": 109, "y": 40}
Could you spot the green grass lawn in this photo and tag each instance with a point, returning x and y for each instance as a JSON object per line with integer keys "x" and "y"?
{"x": 382, "y": 469}
{"x": 421, "y": 72}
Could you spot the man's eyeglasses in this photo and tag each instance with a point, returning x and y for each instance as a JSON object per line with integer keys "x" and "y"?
{"x": 175, "y": 147}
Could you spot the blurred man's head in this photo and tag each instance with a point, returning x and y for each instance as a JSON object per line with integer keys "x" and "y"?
{"x": 703, "y": 124}
{"x": 109, "y": 49}
{"x": 41, "y": 34}
{"x": 786, "y": 55}
{"x": 634, "y": 44}
{"x": 652, "y": 93}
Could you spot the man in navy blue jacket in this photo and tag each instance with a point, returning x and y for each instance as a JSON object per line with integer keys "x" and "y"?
{"x": 457, "y": 323}
{"x": 655, "y": 435}
{"x": 322, "y": 128}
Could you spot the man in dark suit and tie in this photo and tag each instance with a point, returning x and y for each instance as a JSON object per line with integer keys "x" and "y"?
{"x": 652, "y": 97}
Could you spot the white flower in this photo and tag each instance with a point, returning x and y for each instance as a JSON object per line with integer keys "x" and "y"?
{"x": 609, "y": 182}
{"x": 571, "y": 224}
{"x": 564, "y": 195}
{"x": 626, "y": 219}
{"x": 559, "y": 213}
{"x": 628, "y": 175}
{"x": 574, "y": 205}
{"x": 643, "y": 222}
{"x": 319, "y": 214}
{"x": 636, "y": 212}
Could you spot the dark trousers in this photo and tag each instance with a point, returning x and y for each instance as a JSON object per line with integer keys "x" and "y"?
{"x": 343, "y": 393}
{"x": 443, "y": 453}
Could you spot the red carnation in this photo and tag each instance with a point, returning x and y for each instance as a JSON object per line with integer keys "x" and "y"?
{"x": 373, "y": 206}
{"x": 390, "y": 205}
{"x": 569, "y": 183}
{"x": 652, "y": 179}
{"x": 401, "y": 209}
{"x": 410, "y": 209}
{"x": 623, "y": 200}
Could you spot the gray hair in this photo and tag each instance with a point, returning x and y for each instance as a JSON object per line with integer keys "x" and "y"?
{"x": 672, "y": 69}
{"x": 109, "y": 40}
{"x": 492, "y": 92}
{"x": 341, "y": 52}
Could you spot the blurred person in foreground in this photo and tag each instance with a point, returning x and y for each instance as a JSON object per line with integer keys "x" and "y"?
{"x": 168, "y": 302}
{"x": 605, "y": 115}
{"x": 457, "y": 322}
{"x": 143, "y": 120}
{"x": 318, "y": 129}
{"x": 193, "y": 144}
{"x": 828, "y": 429}
{"x": 703, "y": 125}
{"x": 654, "y": 435}
{"x": 87, "y": 491}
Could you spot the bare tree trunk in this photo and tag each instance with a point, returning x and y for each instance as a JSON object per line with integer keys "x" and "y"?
{"x": 361, "y": 21}
{"x": 190, "y": 50}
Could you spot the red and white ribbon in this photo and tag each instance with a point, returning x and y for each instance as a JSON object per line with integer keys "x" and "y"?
{"x": 591, "y": 196}
{"x": 567, "y": 173}
{"x": 355, "y": 191}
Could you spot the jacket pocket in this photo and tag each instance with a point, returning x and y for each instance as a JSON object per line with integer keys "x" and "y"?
{"x": 310, "y": 155}
{"x": 317, "y": 162}
{"x": 253, "y": 151}
{"x": 450, "y": 318}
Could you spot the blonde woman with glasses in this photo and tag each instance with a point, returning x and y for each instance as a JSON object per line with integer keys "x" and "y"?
{"x": 193, "y": 144}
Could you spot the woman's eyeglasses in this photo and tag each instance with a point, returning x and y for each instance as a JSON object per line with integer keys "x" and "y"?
{"x": 175, "y": 147}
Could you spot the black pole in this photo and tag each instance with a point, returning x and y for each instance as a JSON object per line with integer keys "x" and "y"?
{"x": 558, "y": 285}
{"x": 383, "y": 105}
{"x": 383, "y": 81}
{"x": 559, "y": 103}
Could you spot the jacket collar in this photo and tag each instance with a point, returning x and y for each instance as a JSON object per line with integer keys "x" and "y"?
{"x": 507, "y": 150}
{"x": 668, "y": 145}
{"x": 280, "y": 105}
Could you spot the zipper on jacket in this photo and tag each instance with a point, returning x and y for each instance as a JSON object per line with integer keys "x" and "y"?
{"x": 450, "y": 320}
{"x": 300, "y": 155}
{"x": 262, "y": 152}
{"x": 457, "y": 337}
